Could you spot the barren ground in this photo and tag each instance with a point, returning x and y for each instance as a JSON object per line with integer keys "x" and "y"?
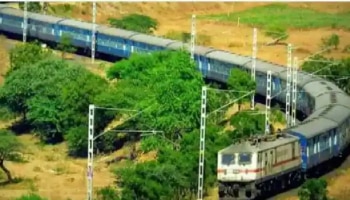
{"x": 223, "y": 35}
{"x": 57, "y": 177}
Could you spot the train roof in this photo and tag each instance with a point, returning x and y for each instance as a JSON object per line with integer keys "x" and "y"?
{"x": 77, "y": 24}
{"x": 335, "y": 112}
{"x": 313, "y": 126}
{"x": 11, "y": 11}
{"x": 228, "y": 57}
{"x": 47, "y": 18}
{"x": 116, "y": 32}
{"x": 330, "y": 97}
{"x": 318, "y": 87}
{"x": 248, "y": 146}
{"x": 154, "y": 40}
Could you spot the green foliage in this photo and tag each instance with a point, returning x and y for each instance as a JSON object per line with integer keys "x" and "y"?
{"x": 30, "y": 196}
{"x": 247, "y": 124}
{"x": 147, "y": 80}
{"x": 154, "y": 143}
{"x": 53, "y": 95}
{"x": 77, "y": 140}
{"x": 313, "y": 189}
{"x": 107, "y": 193}
{"x": 27, "y": 54}
{"x": 337, "y": 72}
{"x": 330, "y": 41}
{"x": 167, "y": 87}
{"x": 32, "y": 6}
{"x": 174, "y": 174}
{"x": 65, "y": 44}
{"x": 9, "y": 147}
{"x": 241, "y": 82}
{"x": 277, "y": 115}
{"x": 6, "y": 114}
{"x": 135, "y": 22}
{"x": 281, "y": 15}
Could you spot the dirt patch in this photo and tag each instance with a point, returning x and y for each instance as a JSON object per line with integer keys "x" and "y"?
{"x": 52, "y": 174}
{"x": 4, "y": 58}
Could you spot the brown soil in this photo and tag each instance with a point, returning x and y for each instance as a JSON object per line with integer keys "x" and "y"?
{"x": 52, "y": 174}
{"x": 226, "y": 36}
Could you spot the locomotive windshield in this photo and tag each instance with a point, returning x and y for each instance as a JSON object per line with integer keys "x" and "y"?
{"x": 228, "y": 159}
{"x": 245, "y": 158}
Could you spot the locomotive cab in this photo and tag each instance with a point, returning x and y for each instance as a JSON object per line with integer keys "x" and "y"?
{"x": 237, "y": 171}
{"x": 236, "y": 166}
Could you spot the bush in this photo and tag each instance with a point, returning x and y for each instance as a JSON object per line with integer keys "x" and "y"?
{"x": 313, "y": 189}
{"x": 107, "y": 193}
{"x": 332, "y": 40}
{"x": 31, "y": 196}
{"x": 135, "y": 22}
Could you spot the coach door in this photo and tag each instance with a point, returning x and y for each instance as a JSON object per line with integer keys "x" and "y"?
{"x": 264, "y": 163}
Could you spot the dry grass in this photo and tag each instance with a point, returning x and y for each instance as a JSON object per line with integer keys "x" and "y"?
{"x": 175, "y": 17}
{"x": 52, "y": 173}
{"x": 4, "y": 58}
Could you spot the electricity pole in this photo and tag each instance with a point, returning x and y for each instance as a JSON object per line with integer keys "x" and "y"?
{"x": 255, "y": 48}
{"x": 289, "y": 80}
{"x": 193, "y": 35}
{"x": 202, "y": 143}
{"x": 91, "y": 138}
{"x": 25, "y": 21}
{"x": 294, "y": 90}
{"x": 93, "y": 34}
{"x": 268, "y": 103}
{"x": 204, "y": 116}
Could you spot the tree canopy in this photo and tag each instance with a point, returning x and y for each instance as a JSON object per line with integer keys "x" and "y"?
{"x": 53, "y": 95}
{"x": 242, "y": 83}
{"x": 135, "y": 22}
{"x": 168, "y": 87}
{"x": 165, "y": 85}
{"x": 313, "y": 189}
{"x": 337, "y": 71}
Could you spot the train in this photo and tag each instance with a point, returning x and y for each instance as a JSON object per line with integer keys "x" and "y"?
{"x": 250, "y": 168}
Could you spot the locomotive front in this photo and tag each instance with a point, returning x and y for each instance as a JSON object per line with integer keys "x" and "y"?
{"x": 237, "y": 171}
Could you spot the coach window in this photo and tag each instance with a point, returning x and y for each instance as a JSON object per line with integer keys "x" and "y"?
{"x": 228, "y": 159}
{"x": 245, "y": 158}
{"x": 315, "y": 145}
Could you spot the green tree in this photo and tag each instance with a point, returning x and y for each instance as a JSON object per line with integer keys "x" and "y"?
{"x": 168, "y": 86}
{"x": 241, "y": 82}
{"x": 313, "y": 189}
{"x": 337, "y": 71}
{"x": 107, "y": 193}
{"x": 27, "y": 54}
{"x": 32, "y": 6}
{"x": 9, "y": 147}
{"x": 54, "y": 96}
{"x": 177, "y": 169}
{"x": 135, "y": 22}
{"x": 247, "y": 124}
{"x": 65, "y": 45}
